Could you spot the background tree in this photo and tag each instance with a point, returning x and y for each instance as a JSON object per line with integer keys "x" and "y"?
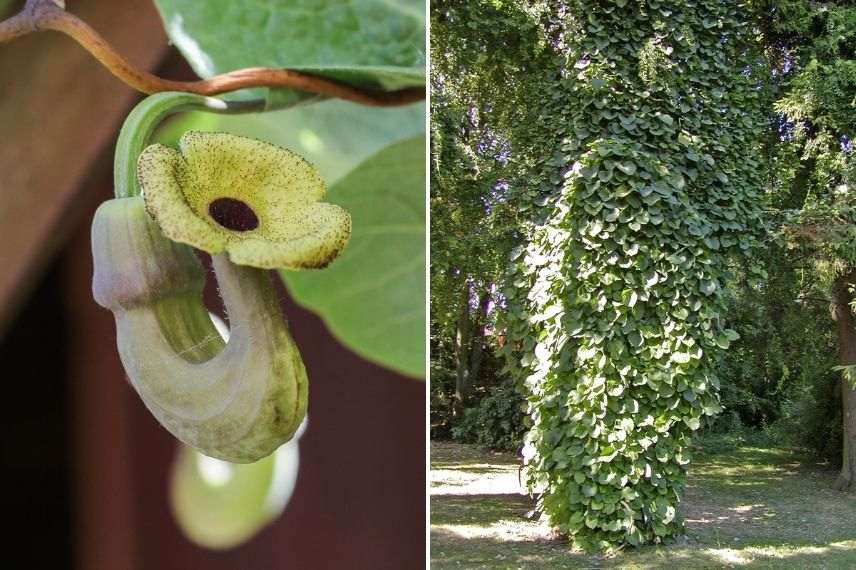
{"x": 811, "y": 49}
{"x": 478, "y": 77}
{"x": 470, "y": 234}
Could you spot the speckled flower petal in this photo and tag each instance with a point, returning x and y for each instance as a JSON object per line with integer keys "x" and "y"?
{"x": 162, "y": 175}
{"x": 311, "y": 239}
{"x": 268, "y": 178}
{"x": 255, "y": 200}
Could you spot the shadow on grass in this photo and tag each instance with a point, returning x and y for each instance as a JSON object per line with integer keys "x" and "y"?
{"x": 479, "y": 510}
{"x": 764, "y": 508}
{"x": 457, "y": 549}
{"x": 448, "y": 455}
{"x": 479, "y": 469}
{"x": 769, "y": 494}
{"x": 449, "y": 549}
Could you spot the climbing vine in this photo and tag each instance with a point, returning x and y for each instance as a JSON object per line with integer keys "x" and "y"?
{"x": 615, "y": 303}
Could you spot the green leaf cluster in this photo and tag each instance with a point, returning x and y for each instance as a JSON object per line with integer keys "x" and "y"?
{"x": 497, "y": 422}
{"x": 373, "y": 298}
{"x": 812, "y": 52}
{"x": 649, "y": 184}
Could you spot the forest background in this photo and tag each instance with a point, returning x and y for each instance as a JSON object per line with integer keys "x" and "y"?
{"x": 502, "y": 151}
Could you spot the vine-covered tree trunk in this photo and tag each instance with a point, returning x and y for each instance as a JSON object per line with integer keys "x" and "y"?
{"x": 846, "y": 327}
{"x": 617, "y": 301}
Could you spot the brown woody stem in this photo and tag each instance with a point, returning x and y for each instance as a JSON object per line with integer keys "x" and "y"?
{"x": 42, "y": 15}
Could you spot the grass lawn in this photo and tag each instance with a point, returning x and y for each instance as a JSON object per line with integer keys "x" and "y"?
{"x": 746, "y": 507}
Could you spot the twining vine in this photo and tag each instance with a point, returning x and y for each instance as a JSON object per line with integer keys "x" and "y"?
{"x": 615, "y": 305}
{"x": 50, "y": 15}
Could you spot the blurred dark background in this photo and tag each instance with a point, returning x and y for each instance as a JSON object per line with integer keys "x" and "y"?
{"x": 85, "y": 468}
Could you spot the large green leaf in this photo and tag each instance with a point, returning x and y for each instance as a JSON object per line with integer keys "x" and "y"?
{"x": 373, "y": 297}
{"x": 369, "y": 42}
{"x": 335, "y": 136}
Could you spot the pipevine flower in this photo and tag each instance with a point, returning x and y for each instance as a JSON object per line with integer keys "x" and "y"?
{"x": 257, "y": 202}
{"x": 237, "y": 400}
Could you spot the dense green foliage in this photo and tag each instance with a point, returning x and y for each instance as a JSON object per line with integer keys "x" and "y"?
{"x": 617, "y": 307}
{"x": 778, "y": 377}
{"x": 474, "y": 223}
{"x": 471, "y": 223}
{"x": 811, "y": 49}
{"x": 640, "y": 134}
{"x": 497, "y": 422}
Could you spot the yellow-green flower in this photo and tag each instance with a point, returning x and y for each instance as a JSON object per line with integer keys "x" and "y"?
{"x": 257, "y": 202}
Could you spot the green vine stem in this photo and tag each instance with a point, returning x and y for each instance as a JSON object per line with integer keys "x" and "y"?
{"x": 141, "y": 123}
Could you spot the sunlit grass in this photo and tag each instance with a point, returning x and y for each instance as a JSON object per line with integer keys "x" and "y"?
{"x": 744, "y": 507}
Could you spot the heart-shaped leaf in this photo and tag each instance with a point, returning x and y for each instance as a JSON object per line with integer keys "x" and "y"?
{"x": 376, "y": 43}
{"x": 372, "y": 298}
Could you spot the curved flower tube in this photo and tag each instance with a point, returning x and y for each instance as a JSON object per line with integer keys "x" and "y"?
{"x": 237, "y": 401}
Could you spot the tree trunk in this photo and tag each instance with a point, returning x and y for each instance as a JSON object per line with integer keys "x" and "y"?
{"x": 462, "y": 353}
{"x": 801, "y": 184}
{"x": 478, "y": 337}
{"x": 846, "y": 327}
